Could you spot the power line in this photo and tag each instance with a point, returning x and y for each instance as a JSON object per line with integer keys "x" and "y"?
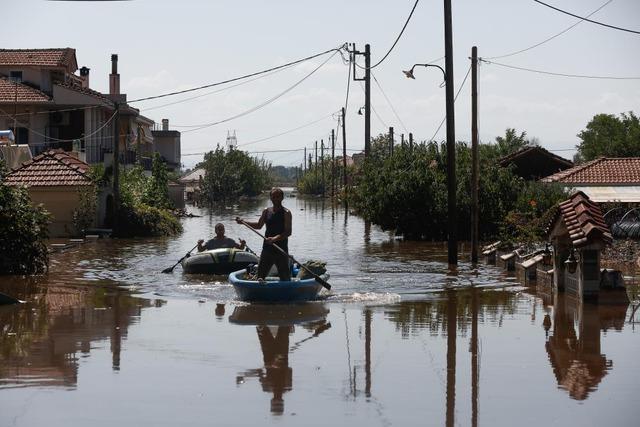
{"x": 588, "y": 20}
{"x": 286, "y": 132}
{"x": 389, "y": 102}
{"x": 454, "y": 100}
{"x": 263, "y": 104}
{"x": 550, "y": 38}
{"x": 559, "y": 74}
{"x": 239, "y": 78}
{"x": 397, "y": 38}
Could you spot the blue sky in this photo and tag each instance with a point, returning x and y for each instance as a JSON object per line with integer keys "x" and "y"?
{"x": 171, "y": 45}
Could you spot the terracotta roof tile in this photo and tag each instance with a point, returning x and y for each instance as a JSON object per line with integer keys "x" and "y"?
{"x": 51, "y": 168}
{"x": 25, "y": 94}
{"x": 78, "y": 88}
{"x": 523, "y": 152}
{"x": 604, "y": 170}
{"x": 55, "y": 57}
{"x": 583, "y": 219}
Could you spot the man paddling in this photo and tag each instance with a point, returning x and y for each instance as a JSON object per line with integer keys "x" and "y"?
{"x": 220, "y": 241}
{"x": 278, "y": 222}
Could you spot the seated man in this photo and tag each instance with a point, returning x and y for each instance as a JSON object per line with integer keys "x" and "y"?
{"x": 220, "y": 241}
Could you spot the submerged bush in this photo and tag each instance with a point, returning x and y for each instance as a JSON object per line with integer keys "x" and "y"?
{"x": 143, "y": 221}
{"x": 23, "y": 231}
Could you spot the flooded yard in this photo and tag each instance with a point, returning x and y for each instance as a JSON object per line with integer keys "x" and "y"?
{"x": 106, "y": 339}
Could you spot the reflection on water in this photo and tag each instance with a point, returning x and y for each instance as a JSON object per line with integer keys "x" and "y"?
{"x": 42, "y": 341}
{"x": 274, "y": 325}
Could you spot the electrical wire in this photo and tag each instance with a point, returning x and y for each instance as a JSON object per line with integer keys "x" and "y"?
{"x": 581, "y": 76}
{"x": 49, "y": 138}
{"x": 588, "y": 20}
{"x": 155, "y": 107}
{"x": 550, "y": 38}
{"x": 397, "y": 38}
{"x": 389, "y": 102}
{"x": 374, "y": 109}
{"x": 241, "y": 77}
{"x": 287, "y": 131}
{"x": 263, "y": 104}
{"x": 454, "y": 100}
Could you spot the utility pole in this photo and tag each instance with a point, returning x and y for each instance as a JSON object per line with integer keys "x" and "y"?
{"x": 333, "y": 164}
{"x": 410, "y": 141}
{"x": 310, "y": 161}
{"x": 402, "y": 140}
{"x": 452, "y": 250}
{"x": 322, "y": 164}
{"x": 305, "y": 159}
{"x": 391, "y": 141}
{"x": 344, "y": 152}
{"x": 474, "y": 156}
{"x": 116, "y": 168}
{"x": 367, "y": 94}
{"x": 316, "y": 165}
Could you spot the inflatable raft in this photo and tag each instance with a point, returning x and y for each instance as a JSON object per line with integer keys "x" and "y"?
{"x": 218, "y": 261}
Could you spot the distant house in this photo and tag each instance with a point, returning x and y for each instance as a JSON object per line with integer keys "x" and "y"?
{"x": 603, "y": 179}
{"x": 534, "y": 162}
{"x": 191, "y": 181}
{"x": 55, "y": 179}
{"x": 166, "y": 142}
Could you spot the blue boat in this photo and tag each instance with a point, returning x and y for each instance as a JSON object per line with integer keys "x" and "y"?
{"x": 273, "y": 289}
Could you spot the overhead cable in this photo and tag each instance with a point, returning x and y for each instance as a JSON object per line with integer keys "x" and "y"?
{"x": 287, "y": 131}
{"x": 389, "y": 102}
{"x": 261, "y": 105}
{"x": 454, "y": 100}
{"x": 241, "y": 77}
{"x": 397, "y": 38}
{"x": 550, "y": 38}
{"x": 581, "y": 76}
{"x": 588, "y": 20}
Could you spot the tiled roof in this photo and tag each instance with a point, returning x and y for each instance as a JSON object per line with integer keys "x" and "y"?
{"x": 583, "y": 219}
{"x": 85, "y": 90}
{"x": 25, "y": 94}
{"x": 604, "y": 170}
{"x": 51, "y": 168}
{"x": 523, "y": 152}
{"x": 56, "y": 57}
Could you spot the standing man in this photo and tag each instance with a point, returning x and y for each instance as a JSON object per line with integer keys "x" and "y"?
{"x": 278, "y": 221}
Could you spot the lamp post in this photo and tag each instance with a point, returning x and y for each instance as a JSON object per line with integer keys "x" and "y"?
{"x": 452, "y": 248}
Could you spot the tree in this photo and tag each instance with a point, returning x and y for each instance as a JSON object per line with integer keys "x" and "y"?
{"x": 610, "y": 136}
{"x": 157, "y": 188}
{"x": 511, "y": 142}
{"x": 23, "y": 231}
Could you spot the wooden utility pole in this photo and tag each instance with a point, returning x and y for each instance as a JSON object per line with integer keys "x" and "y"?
{"x": 116, "y": 168}
{"x": 367, "y": 95}
{"x": 402, "y": 140}
{"x": 310, "y": 161}
{"x": 333, "y": 164}
{"x": 474, "y": 156}
{"x": 344, "y": 151}
{"x": 322, "y": 164}
{"x": 316, "y": 164}
{"x": 391, "y": 141}
{"x": 305, "y": 159}
{"x": 452, "y": 250}
{"x": 367, "y": 100}
{"x": 410, "y": 141}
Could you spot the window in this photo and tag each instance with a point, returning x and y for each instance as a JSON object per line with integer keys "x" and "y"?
{"x": 15, "y": 76}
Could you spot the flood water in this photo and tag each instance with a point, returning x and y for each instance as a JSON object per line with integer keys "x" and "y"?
{"x": 106, "y": 339}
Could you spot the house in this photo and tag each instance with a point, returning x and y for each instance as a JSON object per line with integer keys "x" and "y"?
{"x": 56, "y": 179}
{"x": 48, "y": 106}
{"x": 604, "y": 179}
{"x": 166, "y": 142}
{"x": 191, "y": 181}
{"x": 534, "y": 162}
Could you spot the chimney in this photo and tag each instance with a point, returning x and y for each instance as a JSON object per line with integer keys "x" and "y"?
{"x": 114, "y": 77}
{"x": 84, "y": 73}
{"x": 165, "y": 124}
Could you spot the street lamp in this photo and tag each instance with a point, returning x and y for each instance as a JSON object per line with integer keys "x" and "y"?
{"x": 410, "y": 74}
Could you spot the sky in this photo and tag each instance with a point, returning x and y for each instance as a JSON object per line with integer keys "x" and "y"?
{"x": 170, "y": 45}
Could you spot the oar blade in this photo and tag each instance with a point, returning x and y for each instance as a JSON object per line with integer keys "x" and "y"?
{"x": 168, "y": 270}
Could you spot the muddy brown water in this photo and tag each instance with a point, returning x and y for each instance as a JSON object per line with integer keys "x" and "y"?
{"x": 106, "y": 339}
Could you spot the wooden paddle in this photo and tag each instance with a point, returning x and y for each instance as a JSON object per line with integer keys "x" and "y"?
{"x": 6, "y": 299}
{"x": 170, "y": 269}
{"x": 315, "y": 276}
